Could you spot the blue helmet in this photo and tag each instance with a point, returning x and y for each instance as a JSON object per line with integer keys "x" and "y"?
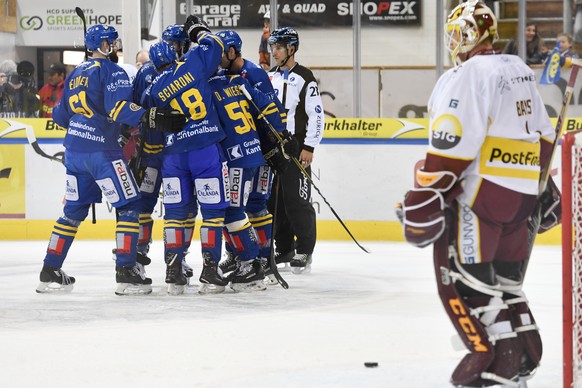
{"x": 175, "y": 33}
{"x": 98, "y": 33}
{"x": 286, "y": 36}
{"x": 230, "y": 39}
{"x": 162, "y": 53}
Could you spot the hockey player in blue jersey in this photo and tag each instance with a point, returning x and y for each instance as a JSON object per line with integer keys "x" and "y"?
{"x": 96, "y": 101}
{"x": 233, "y": 63}
{"x": 194, "y": 166}
{"x": 147, "y": 160}
{"x": 243, "y": 150}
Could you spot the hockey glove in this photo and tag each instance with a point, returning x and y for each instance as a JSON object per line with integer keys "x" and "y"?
{"x": 163, "y": 119}
{"x": 290, "y": 144}
{"x": 193, "y": 25}
{"x": 276, "y": 160}
{"x": 551, "y": 207}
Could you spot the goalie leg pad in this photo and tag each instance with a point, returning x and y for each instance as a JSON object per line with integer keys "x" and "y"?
{"x": 482, "y": 320}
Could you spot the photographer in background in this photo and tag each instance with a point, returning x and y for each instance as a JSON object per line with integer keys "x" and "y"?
{"x": 50, "y": 94}
{"x": 18, "y": 96}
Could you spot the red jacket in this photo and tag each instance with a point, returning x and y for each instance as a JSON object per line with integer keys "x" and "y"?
{"x": 49, "y": 97}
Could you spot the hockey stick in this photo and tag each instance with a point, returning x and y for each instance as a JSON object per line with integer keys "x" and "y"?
{"x": 301, "y": 168}
{"x": 81, "y": 14}
{"x": 272, "y": 262}
{"x": 536, "y": 217}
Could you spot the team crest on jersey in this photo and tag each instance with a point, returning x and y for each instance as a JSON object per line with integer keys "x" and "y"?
{"x": 134, "y": 107}
{"x": 445, "y": 132}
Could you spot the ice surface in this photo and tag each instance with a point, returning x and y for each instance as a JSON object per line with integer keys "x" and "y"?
{"x": 353, "y": 308}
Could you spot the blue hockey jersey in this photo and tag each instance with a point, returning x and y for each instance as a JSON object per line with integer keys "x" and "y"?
{"x": 96, "y": 100}
{"x": 184, "y": 87}
{"x": 238, "y": 118}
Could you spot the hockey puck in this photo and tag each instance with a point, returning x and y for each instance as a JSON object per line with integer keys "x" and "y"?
{"x": 371, "y": 364}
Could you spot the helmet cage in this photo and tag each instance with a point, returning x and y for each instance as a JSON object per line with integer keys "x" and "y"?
{"x": 468, "y": 25}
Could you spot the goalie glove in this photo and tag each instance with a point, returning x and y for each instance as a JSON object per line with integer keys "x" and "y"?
{"x": 193, "y": 25}
{"x": 276, "y": 160}
{"x": 163, "y": 119}
{"x": 422, "y": 215}
{"x": 550, "y": 207}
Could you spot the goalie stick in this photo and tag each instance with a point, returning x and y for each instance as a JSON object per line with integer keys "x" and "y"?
{"x": 301, "y": 168}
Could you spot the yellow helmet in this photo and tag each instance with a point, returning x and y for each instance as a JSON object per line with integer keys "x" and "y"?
{"x": 467, "y": 25}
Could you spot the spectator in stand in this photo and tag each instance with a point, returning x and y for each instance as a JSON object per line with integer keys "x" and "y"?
{"x": 536, "y": 51}
{"x": 18, "y": 94}
{"x": 50, "y": 94}
{"x": 264, "y": 54}
{"x": 566, "y": 42}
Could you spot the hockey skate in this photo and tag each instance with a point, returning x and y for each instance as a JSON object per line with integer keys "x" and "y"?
{"x": 54, "y": 280}
{"x": 211, "y": 282}
{"x": 175, "y": 276}
{"x": 248, "y": 277}
{"x": 141, "y": 261}
{"x": 301, "y": 263}
{"x": 284, "y": 259}
{"x": 130, "y": 281}
{"x": 228, "y": 265}
{"x": 187, "y": 269}
{"x": 270, "y": 279}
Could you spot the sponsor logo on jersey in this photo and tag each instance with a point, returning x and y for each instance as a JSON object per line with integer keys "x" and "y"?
{"x": 445, "y": 132}
{"x": 236, "y": 187}
{"x": 172, "y": 191}
{"x": 263, "y": 183}
{"x": 234, "y": 152}
{"x": 208, "y": 190}
{"x": 124, "y": 178}
{"x": 149, "y": 180}
{"x": 72, "y": 189}
{"x": 468, "y": 236}
{"x": 108, "y": 189}
{"x": 119, "y": 83}
{"x": 510, "y": 158}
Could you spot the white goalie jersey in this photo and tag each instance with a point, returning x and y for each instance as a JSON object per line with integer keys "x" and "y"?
{"x": 488, "y": 112}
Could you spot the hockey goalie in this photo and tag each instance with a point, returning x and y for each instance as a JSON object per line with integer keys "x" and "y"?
{"x": 490, "y": 138}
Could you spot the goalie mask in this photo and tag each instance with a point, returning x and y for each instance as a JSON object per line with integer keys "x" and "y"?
{"x": 467, "y": 25}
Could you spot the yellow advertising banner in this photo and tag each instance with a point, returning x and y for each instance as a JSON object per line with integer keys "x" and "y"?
{"x": 339, "y": 128}
{"x": 12, "y": 181}
{"x": 335, "y": 128}
{"x": 30, "y": 129}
